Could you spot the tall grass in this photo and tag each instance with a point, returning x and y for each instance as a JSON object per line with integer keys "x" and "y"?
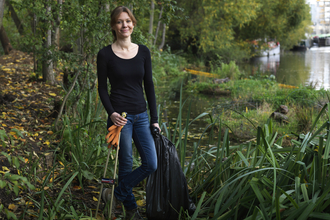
{"x": 260, "y": 179}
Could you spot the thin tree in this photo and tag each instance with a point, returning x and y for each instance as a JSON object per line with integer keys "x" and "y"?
{"x": 15, "y": 18}
{"x": 3, "y": 35}
{"x": 58, "y": 21}
{"x": 159, "y": 22}
{"x": 163, "y": 37}
{"x": 47, "y": 64}
{"x": 151, "y": 20}
{"x": 2, "y": 9}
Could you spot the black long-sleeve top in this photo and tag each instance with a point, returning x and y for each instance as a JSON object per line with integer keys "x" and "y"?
{"x": 126, "y": 77}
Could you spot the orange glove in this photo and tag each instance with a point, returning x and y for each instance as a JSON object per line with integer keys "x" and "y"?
{"x": 113, "y": 136}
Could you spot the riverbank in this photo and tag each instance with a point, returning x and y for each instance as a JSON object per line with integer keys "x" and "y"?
{"x": 245, "y": 102}
{"x": 55, "y": 173}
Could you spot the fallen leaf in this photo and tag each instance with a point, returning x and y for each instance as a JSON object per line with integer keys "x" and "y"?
{"x": 76, "y": 187}
{"x": 5, "y": 168}
{"x": 52, "y": 94}
{"x": 11, "y": 206}
{"x": 140, "y": 202}
{"x": 95, "y": 199}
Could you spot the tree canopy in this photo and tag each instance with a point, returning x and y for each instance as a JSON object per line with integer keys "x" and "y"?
{"x": 223, "y": 27}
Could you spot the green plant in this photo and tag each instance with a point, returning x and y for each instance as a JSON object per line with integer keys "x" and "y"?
{"x": 12, "y": 182}
{"x": 304, "y": 118}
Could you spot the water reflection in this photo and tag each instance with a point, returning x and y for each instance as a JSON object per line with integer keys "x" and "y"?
{"x": 297, "y": 68}
{"x": 318, "y": 59}
{"x": 266, "y": 64}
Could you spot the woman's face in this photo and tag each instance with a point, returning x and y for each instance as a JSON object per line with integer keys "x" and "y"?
{"x": 124, "y": 26}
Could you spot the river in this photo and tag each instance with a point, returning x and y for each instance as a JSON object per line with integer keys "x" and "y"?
{"x": 292, "y": 68}
{"x": 296, "y": 68}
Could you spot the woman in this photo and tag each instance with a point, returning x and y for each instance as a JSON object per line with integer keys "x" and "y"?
{"x": 128, "y": 65}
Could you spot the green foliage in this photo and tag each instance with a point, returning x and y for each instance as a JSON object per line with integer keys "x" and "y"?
{"x": 227, "y": 28}
{"x": 224, "y": 70}
{"x": 10, "y": 182}
{"x": 165, "y": 63}
{"x": 239, "y": 181}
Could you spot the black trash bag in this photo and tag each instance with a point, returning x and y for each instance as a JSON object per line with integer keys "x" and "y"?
{"x": 167, "y": 189}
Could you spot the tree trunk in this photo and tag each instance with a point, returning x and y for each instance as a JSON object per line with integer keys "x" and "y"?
{"x": 15, "y": 18}
{"x": 34, "y": 25}
{"x": 158, "y": 25}
{"x": 47, "y": 64}
{"x": 130, "y": 6}
{"x": 151, "y": 20}
{"x": 107, "y": 7}
{"x": 2, "y": 9}
{"x": 79, "y": 44}
{"x": 5, "y": 41}
{"x": 57, "y": 29}
{"x": 163, "y": 38}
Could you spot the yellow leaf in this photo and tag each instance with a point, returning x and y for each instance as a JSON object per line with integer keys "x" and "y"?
{"x": 76, "y": 187}
{"x": 5, "y": 168}
{"x": 50, "y": 132}
{"x": 11, "y": 206}
{"x": 140, "y": 202}
{"x": 46, "y": 187}
{"x": 4, "y": 125}
{"x": 47, "y": 142}
{"x": 29, "y": 203}
{"x": 52, "y": 94}
{"x": 95, "y": 199}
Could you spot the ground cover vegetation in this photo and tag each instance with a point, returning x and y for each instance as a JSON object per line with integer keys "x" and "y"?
{"x": 254, "y": 98}
{"x": 52, "y": 122}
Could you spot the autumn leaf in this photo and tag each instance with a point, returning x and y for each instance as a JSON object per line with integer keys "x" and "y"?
{"x": 52, "y": 94}
{"x": 140, "y": 202}
{"x": 95, "y": 199}
{"x": 76, "y": 187}
{"x": 5, "y": 168}
{"x": 11, "y": 206}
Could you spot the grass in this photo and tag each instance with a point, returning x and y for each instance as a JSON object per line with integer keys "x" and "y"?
{"x": 273, "y": 174}
{"x": 261, "y": 179}
{"x": 255, "y": 98}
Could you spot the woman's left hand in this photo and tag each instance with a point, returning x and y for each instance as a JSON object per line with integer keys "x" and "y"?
{"x": 157, "y": 126}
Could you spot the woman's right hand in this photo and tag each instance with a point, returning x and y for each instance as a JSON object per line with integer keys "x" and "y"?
{"x": 117, "y": 119}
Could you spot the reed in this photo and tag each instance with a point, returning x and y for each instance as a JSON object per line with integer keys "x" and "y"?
{"x": 262, "y": 179}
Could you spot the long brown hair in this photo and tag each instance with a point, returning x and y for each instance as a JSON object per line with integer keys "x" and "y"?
{"x": 114, "y": 16}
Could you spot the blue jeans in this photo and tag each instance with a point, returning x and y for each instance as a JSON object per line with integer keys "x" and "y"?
{"x": 138, "y": 128}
